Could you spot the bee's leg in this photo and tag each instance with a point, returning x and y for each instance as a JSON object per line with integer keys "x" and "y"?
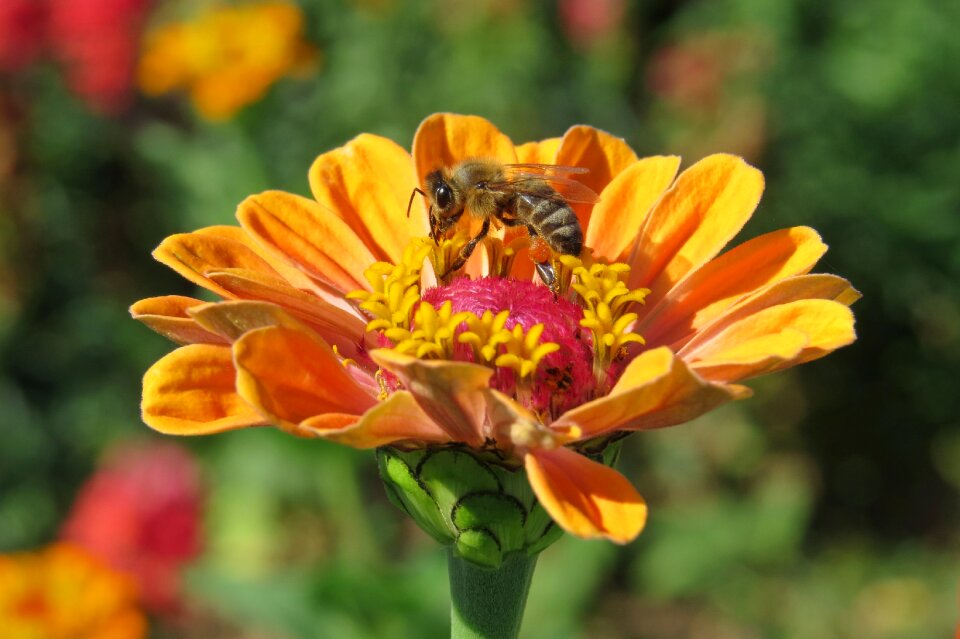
{"x": 467, "y": 249}
{"x": 548, "y": 274}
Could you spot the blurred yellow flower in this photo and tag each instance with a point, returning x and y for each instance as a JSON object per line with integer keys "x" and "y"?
{"x": 63, "y": 593}
{"x": 227, "y": 57}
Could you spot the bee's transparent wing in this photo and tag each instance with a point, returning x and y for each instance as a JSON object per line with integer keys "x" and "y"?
{"x": 530, "y": 178}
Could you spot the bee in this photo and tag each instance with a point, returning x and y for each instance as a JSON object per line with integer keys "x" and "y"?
{"x": 535, "y": 196}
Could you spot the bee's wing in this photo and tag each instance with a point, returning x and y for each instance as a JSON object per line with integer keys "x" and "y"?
{"x": 544, "y": 169}
{"x": 520, "y": 177}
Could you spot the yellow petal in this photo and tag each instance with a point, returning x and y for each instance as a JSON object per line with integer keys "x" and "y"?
{"x": 768, "y": 340}
{"x": 543, "y": 152}
{"x": 191, "y": 391}
{"x": 711, "y": 290}
{"x": 292, "y": 375}
{"x": 319, "y": 242}
{"x": 625, "y": 203}
{"x": 443, "y": 139}
{"x": 168, "y": 316}
{"x": 397, "y": 419}
{"x": 818, "y": 286}
{"x": 451, "y": 393}
{"x": 368, "y": 183}
{"x": 656, "y": 389}
{"x": 709, "y": 203}
{"x": 192, "y": 255}
{"x": 585, "y": 498}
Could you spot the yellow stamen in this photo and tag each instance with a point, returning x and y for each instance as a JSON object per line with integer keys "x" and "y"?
{"x": 606, "y": 301}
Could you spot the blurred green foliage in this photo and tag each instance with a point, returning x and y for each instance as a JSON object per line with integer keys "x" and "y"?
{"x": 825, "y": 507}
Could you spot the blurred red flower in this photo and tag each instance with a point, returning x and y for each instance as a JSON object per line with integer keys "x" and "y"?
{"x": 589, "y": 21}
{"x": 141, "y": 513}
{"x": 97, "y": 42}
{"x": 21, "y": 33}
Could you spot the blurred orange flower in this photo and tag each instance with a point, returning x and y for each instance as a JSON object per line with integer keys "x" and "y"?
{"x": 227, "y": 57}
{"x": 141, "y": 513}
{"x": 63, "y": 593}
{"x": 337, "y": 325}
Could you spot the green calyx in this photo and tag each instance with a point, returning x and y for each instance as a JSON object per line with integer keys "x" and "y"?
{"x": 471, "y": 500}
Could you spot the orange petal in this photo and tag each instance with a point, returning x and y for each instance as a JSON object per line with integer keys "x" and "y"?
{"x": 443, "y": 139}
{"x": 709, "y": 203}
{"x": 192, "y": 391}
{"x": 585, "y": 498}
{"x": 773, "y": 339}
{"x": 397, "y": 419}
{"x": 819, "y": 286}
{"x": 605, "y": 155}
{"x": 280, "y": 263}
{"x": 625, "y": 203}
{"x": 192, "y": 255}
{"x": 334, "y": 324}
{"x": 168, "y": 316}
{"x": 543, "y": 152}
{"x": 451, "y": 393}
{"x": 711, "y": 290}
{"x": 230, "y": 320}
{"x": 368, "y": 183}
{"x": 292, "y": 375}
{"x": 319, "y": 242}
{"x": 656, "y": 389}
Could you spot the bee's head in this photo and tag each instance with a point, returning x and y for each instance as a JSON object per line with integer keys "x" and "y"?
{"x": 440, "y": 193}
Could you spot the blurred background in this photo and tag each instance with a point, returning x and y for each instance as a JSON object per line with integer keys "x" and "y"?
{"x": 825, "y": 507}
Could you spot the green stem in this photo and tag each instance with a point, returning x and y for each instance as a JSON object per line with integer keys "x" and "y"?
{"x": 488, "y": 604}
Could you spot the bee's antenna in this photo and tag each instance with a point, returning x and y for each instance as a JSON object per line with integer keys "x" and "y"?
{"x": 413, "y": 195}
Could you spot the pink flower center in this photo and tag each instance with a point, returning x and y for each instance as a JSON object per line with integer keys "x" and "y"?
{"x": 564, "y": 378}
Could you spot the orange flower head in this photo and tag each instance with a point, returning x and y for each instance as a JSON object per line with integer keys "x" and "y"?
{"x": 342, "y": 319}
{"x": 61, "y": 592}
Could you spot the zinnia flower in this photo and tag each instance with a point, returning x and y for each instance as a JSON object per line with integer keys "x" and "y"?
{"x": 140, "y": 513}
{"x": 227, "y": 57}
{"x": 337, "y": 321}
{"x": 61, "y": 592}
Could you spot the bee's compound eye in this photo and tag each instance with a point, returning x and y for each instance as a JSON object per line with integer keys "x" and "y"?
{"x": 444, "y": 196}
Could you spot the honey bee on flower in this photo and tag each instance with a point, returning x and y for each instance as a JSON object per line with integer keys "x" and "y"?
{"x": 342, "y": 319}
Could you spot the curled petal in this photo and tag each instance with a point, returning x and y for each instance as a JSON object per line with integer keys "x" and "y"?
{"x": 368, "y": 183}
{"x": 334, "y": 323}
{"x": 773, "y": 339}
{"x": 397, "y": 419}
{"x": 168, "y": 315}
{"x": 230, "y": 320}
{"x": 625, "y": 203}
{"x": 193, "y": 255}
{"x": 656, "y": 389}
{"x": 709, "y": 203}
{"x": 820, "y": 286}
{"x": 292, "y": 375}
{"x": 316, "y": 240}
{"x": 451, "y": 393}
{"x": 443, "y": 139}
{"x": 711, "y": 290}
{"x": 191, "y": 391}
{"x": 585, "y": 498}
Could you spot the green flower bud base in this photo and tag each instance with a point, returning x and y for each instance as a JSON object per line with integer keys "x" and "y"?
{"x": 481, "y": 507}
{"x": 470, "y": 500}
